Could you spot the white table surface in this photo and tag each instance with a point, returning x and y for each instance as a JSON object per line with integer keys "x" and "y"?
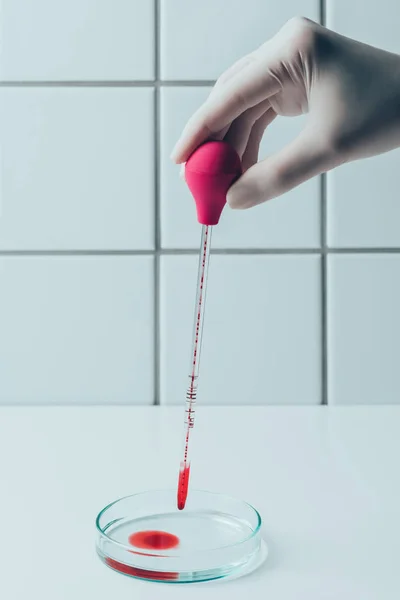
{"x": 326, "y": 481}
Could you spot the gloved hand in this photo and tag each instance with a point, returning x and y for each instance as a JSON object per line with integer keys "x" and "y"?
{"x": 350, "y": 91}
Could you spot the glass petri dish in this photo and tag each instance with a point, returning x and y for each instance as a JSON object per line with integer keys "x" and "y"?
{"x": 147, "y": 537}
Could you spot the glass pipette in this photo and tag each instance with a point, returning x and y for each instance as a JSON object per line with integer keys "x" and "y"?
{"x": 191, "y": 392}
{"x": 209, "y": 173}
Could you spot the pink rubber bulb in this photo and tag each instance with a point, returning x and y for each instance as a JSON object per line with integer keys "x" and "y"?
{"x": 210, "y": 171}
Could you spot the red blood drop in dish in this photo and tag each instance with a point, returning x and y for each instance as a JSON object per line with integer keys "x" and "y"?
{"x": 143, "y": 573}
{"x": 154, "y": 540}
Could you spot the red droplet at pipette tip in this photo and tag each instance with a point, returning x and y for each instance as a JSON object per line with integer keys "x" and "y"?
{"x": 183, "y": 486}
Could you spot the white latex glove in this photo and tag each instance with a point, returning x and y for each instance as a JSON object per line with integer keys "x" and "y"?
{"x": 350, "y": 91}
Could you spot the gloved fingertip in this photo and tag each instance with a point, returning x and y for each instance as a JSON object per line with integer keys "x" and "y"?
{"x": 238, "y": 197}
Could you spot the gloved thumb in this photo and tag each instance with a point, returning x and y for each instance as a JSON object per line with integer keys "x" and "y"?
{"x": 300, "y": 160}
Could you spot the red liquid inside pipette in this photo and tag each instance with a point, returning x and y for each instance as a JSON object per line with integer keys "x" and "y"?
{"x": 183, "y": 486}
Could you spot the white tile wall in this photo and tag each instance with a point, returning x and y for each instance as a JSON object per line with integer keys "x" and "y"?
{"x": 371, "y": 22}
{"x": 364, "y": 329}
{"x": 76, "y": 330}
{"x": 97, "y": 230}
{"x": 77, "y": 168}
{"x": 50, "y": 40}
{"x": 363, "y": 207}
{"x": 199, "y": 40}
{"x": 261, "y": 336}
{"x": 363, "y": 203}
{"x": 291, "y": 222}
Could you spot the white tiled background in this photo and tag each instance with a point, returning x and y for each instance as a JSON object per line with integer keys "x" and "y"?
{"x": 98, "y": 236}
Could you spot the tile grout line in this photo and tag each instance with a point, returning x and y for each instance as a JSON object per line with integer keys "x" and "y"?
{"x": 365, "y": 250}
{"x": 157, "y": 224}
{"x": 152, "y": 83}
{"x": 324, "y": 282}
{"x": 192, "y": 251}
{"x": 322, "y": 12}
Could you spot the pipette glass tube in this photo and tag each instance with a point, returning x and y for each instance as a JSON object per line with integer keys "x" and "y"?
{"x": 191, "y": 394}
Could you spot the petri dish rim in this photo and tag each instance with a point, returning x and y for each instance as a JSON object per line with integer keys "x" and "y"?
{"x": 156, "y": 553}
